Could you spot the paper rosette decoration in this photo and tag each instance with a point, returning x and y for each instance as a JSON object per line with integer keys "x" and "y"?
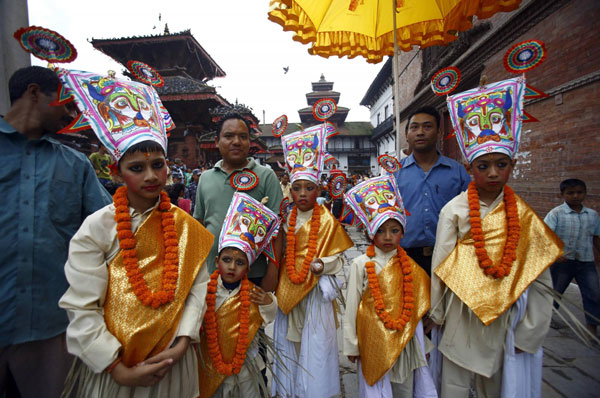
{"x": 445, "y": 80}
{"x": 324, "y": 108}
{"x": 389, "y": 163}
{"x": 488, "y": 119}
{"x": 121, "y": 113}
{"x": 375, "y": 201}
{"x": 337, "y": 185}
{"x": 244, "y": 180}
{"x": 525, "y": 56}
{"x": 279, "y": 125}
{"x": 145, "y": 73}
{"x": 249, "y": 226}
{"x": 305, "y": 152}
{"x": 46, "y": 44}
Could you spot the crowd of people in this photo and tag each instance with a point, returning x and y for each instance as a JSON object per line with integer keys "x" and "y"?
{"x": 164, "y": 289}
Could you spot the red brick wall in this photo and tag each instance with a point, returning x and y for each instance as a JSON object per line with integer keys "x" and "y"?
{"x": 566, "y": 141}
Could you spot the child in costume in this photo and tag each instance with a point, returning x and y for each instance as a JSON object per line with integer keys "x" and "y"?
{"x": 388, "y": 294}
{"x": 229, "y": 365}
{"x": 490, "y": 287}
{"x": 305, "y": 326}
{"x": 135, "y": 267}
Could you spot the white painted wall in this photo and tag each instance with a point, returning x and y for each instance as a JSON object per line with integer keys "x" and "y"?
{"x": 379, "y": 107}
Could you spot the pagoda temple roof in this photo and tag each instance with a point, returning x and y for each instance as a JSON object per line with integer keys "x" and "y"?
{"x": 170, "y": 54}
{"x": 314, "y": 96}
{"x": 183, "y": 88}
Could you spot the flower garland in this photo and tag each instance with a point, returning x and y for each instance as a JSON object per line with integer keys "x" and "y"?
{"x": 290, "y": 250}
{"x": 127, "y": 243}
{"x": 402, "y": 260}
{"x": 513, "y": 231}
{"x": 212, "y": 331}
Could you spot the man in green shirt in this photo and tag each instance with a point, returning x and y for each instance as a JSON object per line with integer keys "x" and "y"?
{"x": 101, "y": 160}
{"x": 215, "y": 192}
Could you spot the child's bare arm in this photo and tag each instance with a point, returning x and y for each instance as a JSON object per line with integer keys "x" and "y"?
{"x": 260, "y": 297}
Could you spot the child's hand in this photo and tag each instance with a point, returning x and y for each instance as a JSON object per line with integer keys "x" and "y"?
{"x": 175, "y": 352}
{"x": 260, "y": 297}
{"x": 316, "y": 267}
{"x": 141, "y": 375}
{"x": 428, "y": 325}
{"x": 353, "y": 358}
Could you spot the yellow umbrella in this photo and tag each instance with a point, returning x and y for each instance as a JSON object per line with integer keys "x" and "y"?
{"x": 366, "y": 27}
{"x": 377, "y": 28}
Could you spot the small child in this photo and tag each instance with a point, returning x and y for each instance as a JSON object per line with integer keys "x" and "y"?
{"x": 136, "y": 295}
{"x": 579, "y": 229}
{"x": 305, "y": 326}
{"x": 490, "y": 284}
{"x": 229, "y": 365}
{"x": 388, "y": 294}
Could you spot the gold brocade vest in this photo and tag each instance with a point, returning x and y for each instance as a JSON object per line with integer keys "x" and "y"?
{"x": 144, "y": 331}
{"x": 486, "y": 296}
{"x": 332, "y": 239}
{"x": 228, "y": 327}
{"x": 379, "y": 346}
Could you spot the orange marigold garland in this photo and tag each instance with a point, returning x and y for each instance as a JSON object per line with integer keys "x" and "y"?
{"x": 290, "y": 250}
{"x": 513, "y": 231}
{"x": 127, "y": 243}
{"x": 401, "y": 260}
{"x": 212, "y": 330}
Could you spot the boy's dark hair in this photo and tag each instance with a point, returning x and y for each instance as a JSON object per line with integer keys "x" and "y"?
{"x": 572, "y": 183}
{"x": 43, "y": 77}
{"x": 228, "y": 116}
{"x": 430, "y": 110}
{"x": 144, "y": 146}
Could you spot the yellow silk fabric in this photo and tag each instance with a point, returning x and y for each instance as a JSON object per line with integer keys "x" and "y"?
{"x": 332, "y": 239}
{"x": 141, "y": 330}
{"x": 486, "y": 296}
{"x": 365, "y": 27}
{"x": 379, "y": 346}
{"x": 228, "y": 327}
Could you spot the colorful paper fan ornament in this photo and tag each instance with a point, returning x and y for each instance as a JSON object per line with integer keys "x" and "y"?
{"x": 46, "y": 44}
{"x": 145, "y": 73}
{"x": 244, "y": 180}
{"x": 324, "y": 108}
{"x": 337, "y": 186}
{"x": 389, "y": 163}
{"x": 445, "y": 80}
{"x": 525, "y": 56}
{"x": 284, "y": 208}
{"x": 279, "y": 125}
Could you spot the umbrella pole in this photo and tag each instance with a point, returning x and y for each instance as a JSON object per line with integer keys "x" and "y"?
{"x": 395, "y": 85}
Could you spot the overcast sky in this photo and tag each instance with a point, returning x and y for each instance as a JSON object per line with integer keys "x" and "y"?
{"x": 237, "y": 34}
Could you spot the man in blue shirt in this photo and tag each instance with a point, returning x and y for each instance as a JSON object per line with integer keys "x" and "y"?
{"x": 48, "y": 190}
{"x": 427, "y": 181}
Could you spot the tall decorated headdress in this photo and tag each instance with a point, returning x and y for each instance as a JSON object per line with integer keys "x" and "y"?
{"x": 122, "y": 113}
{"x": 249, "y": 226}
{"x": 488, "y": 118}
{"x": 305, "y": 152}
{"x": 375, "y": 201}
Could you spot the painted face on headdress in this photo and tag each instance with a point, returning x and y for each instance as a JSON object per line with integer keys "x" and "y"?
{"x": 301, "y": 152}
{"x": 122, "y": 107}
{"x": 304, "y": 152}
{"x": 121, "y": 113}
{"x": 375, "y": 201}
{"x": 488, "y": 119}
{"x": 249, "y": 226}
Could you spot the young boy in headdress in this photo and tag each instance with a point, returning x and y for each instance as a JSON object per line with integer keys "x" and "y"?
{"x": 135, "y": 267}
{"x": 388, "y": 294}
{"x": 229, "y": 365}
{"x": 305, "y": 327}
{"x": 490, "y": 282}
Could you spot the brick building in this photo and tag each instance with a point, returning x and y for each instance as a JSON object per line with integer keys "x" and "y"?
{"x": 564, "y": 143}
